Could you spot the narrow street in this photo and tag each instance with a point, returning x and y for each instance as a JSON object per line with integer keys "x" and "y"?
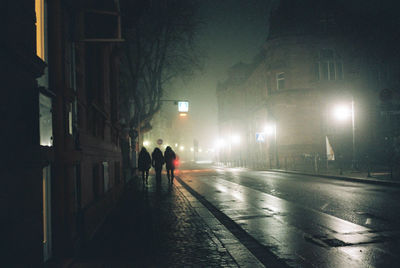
{"x": 307, "y": 221}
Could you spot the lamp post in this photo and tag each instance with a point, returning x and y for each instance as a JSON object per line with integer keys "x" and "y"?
{"x": 235, "y": 140}
{"x": 342, "y": 113}
{"x": 270, "y": 130}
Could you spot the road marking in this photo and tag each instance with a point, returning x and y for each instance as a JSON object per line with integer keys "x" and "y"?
{"x": 324, "y": 206}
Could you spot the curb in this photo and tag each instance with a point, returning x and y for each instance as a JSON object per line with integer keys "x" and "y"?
{"x": 338, "y": 177}
{"x": 261, "y": 253}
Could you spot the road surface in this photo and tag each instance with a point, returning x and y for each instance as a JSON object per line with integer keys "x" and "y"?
{"x": 306, "y": 221}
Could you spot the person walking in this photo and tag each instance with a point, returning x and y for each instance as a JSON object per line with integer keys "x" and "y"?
{"x": 157, "y": 161}
{"x": 170, "y": 157}
{"x": 144, "y": 164}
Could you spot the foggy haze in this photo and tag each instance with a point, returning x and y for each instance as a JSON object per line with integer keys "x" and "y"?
{"x": 233, "y": 31}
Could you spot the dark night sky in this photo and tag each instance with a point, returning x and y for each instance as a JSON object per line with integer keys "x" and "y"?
{"x": 234, "y": 31}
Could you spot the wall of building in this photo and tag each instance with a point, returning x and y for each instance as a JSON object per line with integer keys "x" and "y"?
{"x": 75, "y": 209}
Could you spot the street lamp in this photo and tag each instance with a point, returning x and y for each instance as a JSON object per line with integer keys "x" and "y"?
{"x": 235, "y": 140}
{"x": 270, "y": 130}
{"x": 342, "y": 113}
{"x": 146, "y": 143}
{"x": 219, "y": 144}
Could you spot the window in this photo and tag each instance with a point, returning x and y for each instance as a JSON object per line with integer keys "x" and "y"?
{"x": 41, "y": 38}
{"x": 280, "y": 81}
{"x": 70, "y": 130}
{"x": 328, "y": 67}
{"x": 45, "y": 120}
{"x": 40, "y": 29}
{"x": 106, "y": 177}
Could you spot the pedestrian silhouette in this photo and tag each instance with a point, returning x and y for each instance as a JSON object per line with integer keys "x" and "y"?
{"x": 144, "y": 164}
{"x": 170, "y": 157}
{"x": 157, "y": 161}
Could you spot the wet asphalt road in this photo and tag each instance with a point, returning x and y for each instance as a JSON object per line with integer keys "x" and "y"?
{"x": 307, "y": 221}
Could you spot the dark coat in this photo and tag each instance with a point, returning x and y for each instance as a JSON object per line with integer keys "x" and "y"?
{"x": 157, "y": 159}
{"x": 170, "y": 157}
{"x": 144, "y": 160}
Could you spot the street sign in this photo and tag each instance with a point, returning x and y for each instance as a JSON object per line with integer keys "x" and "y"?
{"x": 260, "y": 137}
{"x": 183, "y": 106}
{"x": 159, "y": 141}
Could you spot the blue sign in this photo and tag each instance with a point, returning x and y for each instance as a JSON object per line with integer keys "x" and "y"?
{"x": 260, "y": 137}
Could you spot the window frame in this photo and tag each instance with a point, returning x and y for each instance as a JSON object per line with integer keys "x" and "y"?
{"x": 278, "y": 80}
{"x": 327, "y": 68}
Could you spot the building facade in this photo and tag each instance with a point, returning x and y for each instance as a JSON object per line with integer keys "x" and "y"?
{"x": 62, "y": 173}
{"x": 318, "y": 56}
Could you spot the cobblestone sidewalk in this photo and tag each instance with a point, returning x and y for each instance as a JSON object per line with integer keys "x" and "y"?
{"x": 155, "y": 226}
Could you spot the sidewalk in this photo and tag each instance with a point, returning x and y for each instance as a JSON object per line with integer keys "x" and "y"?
{"x": 160, "y": 226}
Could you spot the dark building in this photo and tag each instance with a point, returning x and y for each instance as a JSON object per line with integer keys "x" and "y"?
{"x": 320, "y": 54}
{"x": 61, "y": 164}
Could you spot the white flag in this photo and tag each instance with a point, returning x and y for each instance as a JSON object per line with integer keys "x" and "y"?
{"x": 330, "y": 154}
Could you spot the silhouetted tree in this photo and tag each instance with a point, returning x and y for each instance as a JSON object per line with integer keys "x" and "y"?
{"x": 159, "y": 48}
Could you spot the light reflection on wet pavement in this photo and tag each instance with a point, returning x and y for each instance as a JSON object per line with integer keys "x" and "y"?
{"x": 301, "y": 235}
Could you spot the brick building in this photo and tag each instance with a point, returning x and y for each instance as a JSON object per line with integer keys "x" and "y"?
{"x": 62, "y": 159}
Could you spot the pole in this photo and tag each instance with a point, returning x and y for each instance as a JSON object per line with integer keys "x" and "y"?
{"x": 139, "y": 130}
{"x": 353, "y": 134}
{"x": 276, "y": 150}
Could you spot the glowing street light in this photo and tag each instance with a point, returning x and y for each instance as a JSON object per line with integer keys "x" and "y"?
{"x": 270, "y": 130}
{"x": 182, "y": 148}
{"x": 342, "y": 113}
{"x": 235, "y": 139}
{"x": 219, "y": 143}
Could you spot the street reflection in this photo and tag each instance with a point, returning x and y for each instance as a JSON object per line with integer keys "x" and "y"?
{"x": 299, "y": 234}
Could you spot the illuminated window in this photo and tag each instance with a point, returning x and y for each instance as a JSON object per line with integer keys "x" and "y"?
{"x": 45, "y": 120}
{"x": 41, "y": 38}
{"x": 40, "y": 29}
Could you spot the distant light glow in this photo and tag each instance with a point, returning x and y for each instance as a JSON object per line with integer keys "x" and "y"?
{"x": 183, "y": 114}
{"x": 342, "y": 112}
{"x": 219, "y": 143}
{"x": 182, "y": 148}
{"x": 191, "y": 149}
{"x": 200, "y": 150}
{"x": 146, "y": 143}
{"x": 269, "y": 129}
{"x": 204, "y": 162}
{"x": 235, "y": 139}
